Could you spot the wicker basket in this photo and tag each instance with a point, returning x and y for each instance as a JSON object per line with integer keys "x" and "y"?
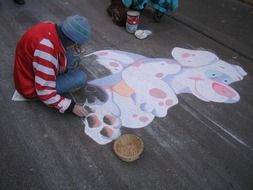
{"x": 128, "y": 147}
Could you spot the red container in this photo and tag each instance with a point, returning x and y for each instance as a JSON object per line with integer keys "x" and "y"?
{"x": 133, "y": 19}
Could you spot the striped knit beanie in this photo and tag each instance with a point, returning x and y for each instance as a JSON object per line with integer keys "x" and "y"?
{"x": 76, "y": 28}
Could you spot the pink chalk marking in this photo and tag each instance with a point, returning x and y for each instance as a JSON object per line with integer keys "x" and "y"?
{"x": 103, "y": 53}
{"x": 96, "y": 121}
{"x": 107, "y": 131}
{"x": 223, "y": 90}
{"x": 161, "y": 104}
{"x": 143, "y": 119}
{"x": 185, "y": 55}
{"x": 137, "y": 63}
{"x": 169, "y": 102}
{"x": 107, "y": 88}
{"x": 113, "y": 64}
{"x": 111, "y": 118}
{"x": 157, "y": 93}
{"x": 159, "y": 75}
{"x": 195, "y": 78}
{"x": 170, "y": 61}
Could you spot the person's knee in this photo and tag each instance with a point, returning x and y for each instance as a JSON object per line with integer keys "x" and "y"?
{"x": 81, "y": 78}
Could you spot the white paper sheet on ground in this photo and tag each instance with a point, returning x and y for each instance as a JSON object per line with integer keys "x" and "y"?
{"x": 18, "y": 97}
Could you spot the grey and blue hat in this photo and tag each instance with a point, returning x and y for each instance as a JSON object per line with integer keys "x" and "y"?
{"x": 76, "y": 28}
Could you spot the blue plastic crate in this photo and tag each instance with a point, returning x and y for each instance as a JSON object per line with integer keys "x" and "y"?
{"x": 162, "y": 6}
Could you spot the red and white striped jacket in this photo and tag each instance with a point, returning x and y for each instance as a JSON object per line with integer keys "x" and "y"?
{"x": 39, "y": 59}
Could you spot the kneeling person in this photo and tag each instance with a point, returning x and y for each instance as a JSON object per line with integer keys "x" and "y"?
{"x": 44, "y": 62}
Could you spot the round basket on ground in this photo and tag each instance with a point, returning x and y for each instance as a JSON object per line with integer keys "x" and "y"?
{"x": 128, "y": 147}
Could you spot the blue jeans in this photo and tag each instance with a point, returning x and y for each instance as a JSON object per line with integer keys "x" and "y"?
{"x": 72, "y": 79}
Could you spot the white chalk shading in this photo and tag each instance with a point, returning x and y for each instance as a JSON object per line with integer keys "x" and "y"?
{"x": 151, "y": 93}
{"x": 103, "y": 116}
{"x": 142, "y": 88}
{"x": 193, "y": 58}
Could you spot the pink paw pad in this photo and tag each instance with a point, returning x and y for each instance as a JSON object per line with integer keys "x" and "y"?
{"x": 159, "y": 75}
{"x": 93, "y": 121}
{"x": 113, "y": 64}
{"x": 161, "y": 104}
{"x": 169, "y": 102}
{"x": 157, "y": 93}
{"x": 143, "y": 119}
{"x": 109, "y": 119}
{"x": 186, "y": 55}
{"x": 137, "y": 64}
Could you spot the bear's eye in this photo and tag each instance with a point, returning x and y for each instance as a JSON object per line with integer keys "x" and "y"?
{"x": 226, "y": 81}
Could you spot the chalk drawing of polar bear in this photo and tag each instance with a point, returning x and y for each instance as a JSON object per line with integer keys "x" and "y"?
{"x": 141, "y": 88}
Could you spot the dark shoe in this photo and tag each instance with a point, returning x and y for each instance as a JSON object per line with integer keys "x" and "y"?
{"x": 109, "y": 10}
{"x": 118, "y": 12}
{"x": 20, "y": 2}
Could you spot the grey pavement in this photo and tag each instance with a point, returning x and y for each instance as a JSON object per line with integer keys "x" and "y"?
{"x": 197, "y": 146}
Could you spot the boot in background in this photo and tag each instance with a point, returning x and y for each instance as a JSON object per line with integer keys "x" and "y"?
{"x": 118, "y": 12}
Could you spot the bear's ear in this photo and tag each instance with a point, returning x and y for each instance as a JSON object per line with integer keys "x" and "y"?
{"x": 193, "y": 58}
{"x": 240, "y": 70}
{"x": 125, "y": 58}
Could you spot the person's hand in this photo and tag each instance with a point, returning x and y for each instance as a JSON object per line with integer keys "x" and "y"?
{"x": 80, "y": 111}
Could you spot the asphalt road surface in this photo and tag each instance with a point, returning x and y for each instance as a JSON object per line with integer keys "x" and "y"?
{"x": 197, "y": 146}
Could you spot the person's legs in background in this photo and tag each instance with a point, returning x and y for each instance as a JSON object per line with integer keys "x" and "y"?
{"x": 20, "y": 2}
